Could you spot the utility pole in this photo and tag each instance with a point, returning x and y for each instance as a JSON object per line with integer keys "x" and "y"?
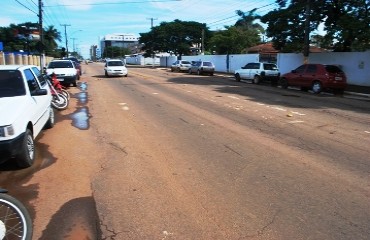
{"x": 65, "y": 34}
{"x": 151, "y": 27}
{"x": 41, "y": 32}
{"x": 152, "y": 21}
{"x": 306, "y": 48}
{"x": 202, "y": 41}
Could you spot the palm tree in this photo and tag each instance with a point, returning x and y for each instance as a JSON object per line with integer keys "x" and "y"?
{"x": 51, "y": 36}
{"x": 246, "y": 20}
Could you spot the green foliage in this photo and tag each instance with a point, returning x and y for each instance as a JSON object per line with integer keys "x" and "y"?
{"x": 18, "y": 37}
{"x": 176, "y": 37}
{"x": 234, "y": 40}
{"x": 115, "y": 52}
{"x": 346, "y": 23}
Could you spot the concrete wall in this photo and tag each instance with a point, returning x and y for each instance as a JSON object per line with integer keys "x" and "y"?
{"x": 21, "y": 59}
{"x": 356, "y": 65}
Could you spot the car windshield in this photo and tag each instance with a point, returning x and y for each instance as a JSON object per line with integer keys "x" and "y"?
{"x": 333, "y": 69}
{"x": 115, "y": 63}
{"x": 11, "y": 83}
{"x": 208, "y": 64}
{"x": 64, "y": 64}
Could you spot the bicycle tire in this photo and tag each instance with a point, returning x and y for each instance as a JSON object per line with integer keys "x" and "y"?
{"x": 15, "y": 220}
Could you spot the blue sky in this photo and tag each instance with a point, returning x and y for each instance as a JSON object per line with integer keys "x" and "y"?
{"x": 89, "y": 20}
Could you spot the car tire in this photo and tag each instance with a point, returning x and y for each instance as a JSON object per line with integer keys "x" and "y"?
{"x": 237, "y": 77}
{"x": 316, "y": 87}
{"x": 171, "y": 69}
{"x": 256, "y": 79}
{"x": 211, "y": 74}
{"x": 51, "y": 121}
{"x": 106, "y": 74}
{"x": 198, "y": 72}
{"x": 284, "y": 83}
{"x": 26, "y": 157}
{"x": 190, "y": 71}
{"x": 74, "y": 83}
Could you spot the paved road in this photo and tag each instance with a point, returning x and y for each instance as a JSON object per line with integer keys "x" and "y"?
{"x": 162, "y": 155}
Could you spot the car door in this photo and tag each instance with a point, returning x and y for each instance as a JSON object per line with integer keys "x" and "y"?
{"x": 308, "y": 75}
{"x": 39, "y": 104}
{"x": 245, "y": 71}
{"x": 296, "y": 78}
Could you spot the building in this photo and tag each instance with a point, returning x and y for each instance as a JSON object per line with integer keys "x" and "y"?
{"x": 123, "y": 40}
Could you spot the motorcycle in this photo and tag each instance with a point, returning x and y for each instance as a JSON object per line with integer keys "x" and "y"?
{"x": 59, "y": 101}
{"x": 15, "y": 220}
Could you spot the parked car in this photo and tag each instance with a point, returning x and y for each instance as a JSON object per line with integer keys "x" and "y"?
{"x": 25, "y": 110}
{"x": 115, "y": 67}
{"x": 317, "y": 77}
{"x": 65, "y": 71}
{"x": 258, "y": 72}
{"x": 77, "y": 66}
{"x": 180, "y": 65}
{"x": 202, "y": 67}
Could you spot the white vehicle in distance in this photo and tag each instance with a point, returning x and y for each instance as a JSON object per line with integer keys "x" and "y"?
{"x": 65, "y": 70}
{"x": 115, "y": 67}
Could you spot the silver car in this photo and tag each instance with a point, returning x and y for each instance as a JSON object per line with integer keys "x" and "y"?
{"x": 202, "y": 67}
{"x": 180, "y": 65}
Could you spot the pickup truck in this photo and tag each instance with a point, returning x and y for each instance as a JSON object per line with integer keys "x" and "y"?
{"x": 25, "y": 110}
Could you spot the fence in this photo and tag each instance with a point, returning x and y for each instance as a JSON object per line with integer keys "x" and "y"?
{"x": 22, "y": 59}
{"x": 356, "y": 65}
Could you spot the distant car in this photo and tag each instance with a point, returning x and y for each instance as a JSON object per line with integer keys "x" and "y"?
{"x": 115, "y": 67}
{"x": 258, "y": 72}
{"x": 202, "y": 67}
{"x": 317, "y": 77}
{"x": 180, "y": 65}
{"x": 65, "y": 70}
{"x": 25, "y": 110}
{"x": 77, "y": 65}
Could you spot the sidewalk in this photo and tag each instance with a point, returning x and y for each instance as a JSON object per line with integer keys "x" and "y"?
{"x": 360, "y": 90}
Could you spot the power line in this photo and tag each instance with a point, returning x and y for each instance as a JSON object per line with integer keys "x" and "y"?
{"x": 26, "y": 7}
{"x": 111, "y": 3}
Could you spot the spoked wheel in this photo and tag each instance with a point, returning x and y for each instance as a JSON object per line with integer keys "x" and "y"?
{"x": 15, "y": 220}
{"x": 59, "y": 102}
{"x": 66, "y": 93}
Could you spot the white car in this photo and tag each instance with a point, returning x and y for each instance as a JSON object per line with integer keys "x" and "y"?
{"x": 257, "y": 72}
{"x": 25, "y": 110}
{"x": 115, "y": 67}
{"x": 180, "y": 65}
{"x": 65, "y": 71}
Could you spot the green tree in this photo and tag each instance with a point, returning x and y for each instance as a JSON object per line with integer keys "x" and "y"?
{"x": 177, "y": 37}
{"x": 346, "y": 23}
{"x": 18, "y": 37}
{"x": 234, "y": 40}
{"x": 51, "y": 36}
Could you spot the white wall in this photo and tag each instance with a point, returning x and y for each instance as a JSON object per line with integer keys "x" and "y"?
{"x": 356, "y": 65}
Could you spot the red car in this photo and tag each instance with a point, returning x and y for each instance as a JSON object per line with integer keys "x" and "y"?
{"x": 317, "y": 77}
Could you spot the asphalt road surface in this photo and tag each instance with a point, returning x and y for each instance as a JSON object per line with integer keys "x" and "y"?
{"x": 167, "y": 155}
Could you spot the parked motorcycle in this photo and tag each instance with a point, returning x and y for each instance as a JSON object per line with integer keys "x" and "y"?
{"x": 15, "y": 220}
{"x": 60, "y": 100}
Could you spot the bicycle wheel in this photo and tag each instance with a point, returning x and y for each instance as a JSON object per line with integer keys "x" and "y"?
{"x": 15, "y": 220}
{"x": 65, "y": 93}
